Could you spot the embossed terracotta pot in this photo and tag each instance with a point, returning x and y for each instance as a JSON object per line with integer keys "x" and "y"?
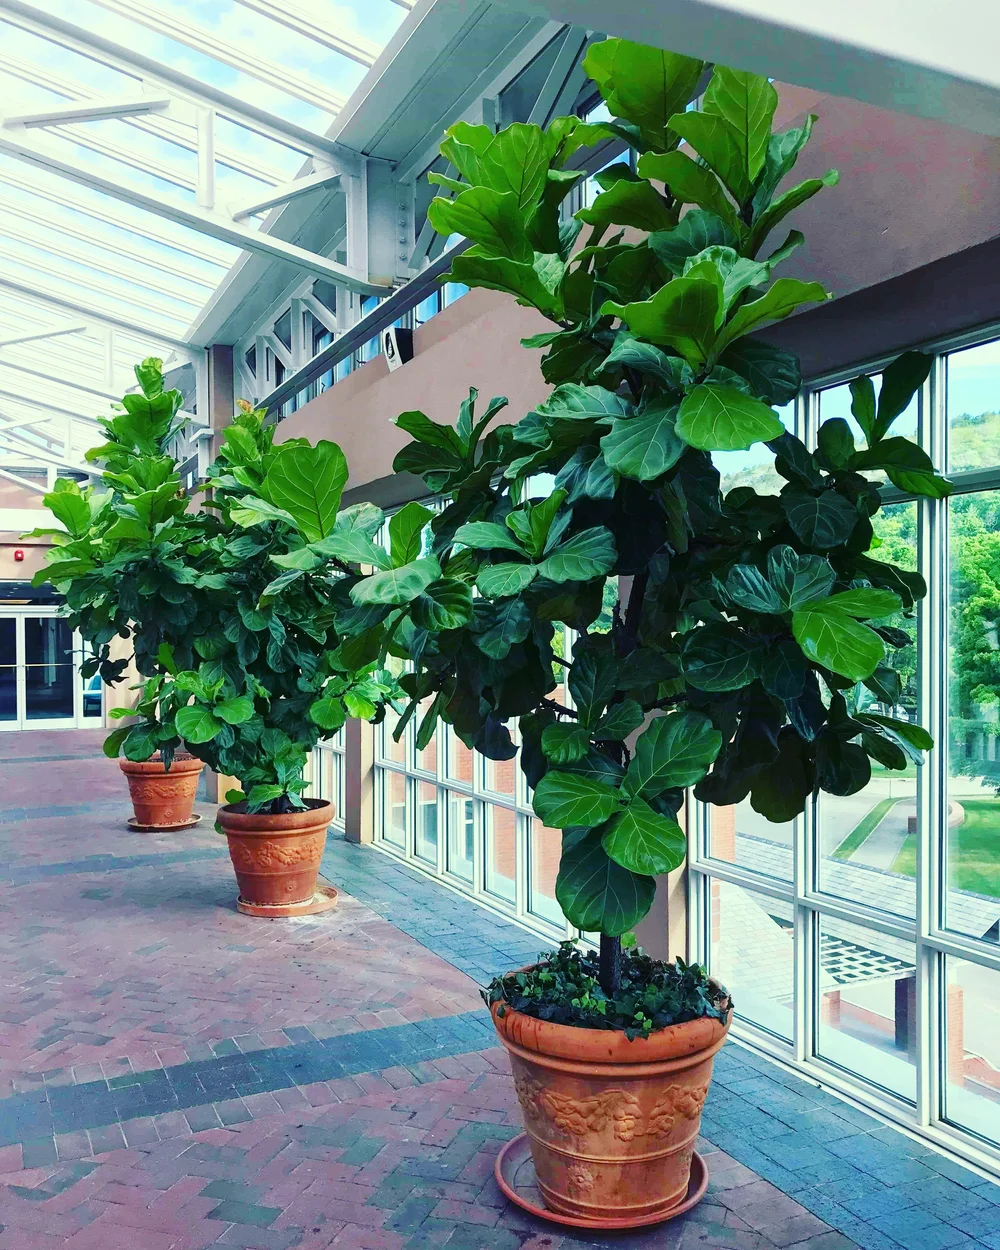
{"x": 611, "y": 1123}
{"x": 162, "y": 799}
{"x": 276, "y": 858}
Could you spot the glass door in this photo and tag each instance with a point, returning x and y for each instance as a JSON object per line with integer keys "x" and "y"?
{"x": 40, "y": 682}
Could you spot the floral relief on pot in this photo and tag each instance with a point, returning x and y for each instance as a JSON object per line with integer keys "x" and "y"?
{"x": 279, "y": 853}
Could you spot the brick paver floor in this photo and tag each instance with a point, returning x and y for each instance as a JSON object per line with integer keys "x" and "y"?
{"x": 174, "y": 1075}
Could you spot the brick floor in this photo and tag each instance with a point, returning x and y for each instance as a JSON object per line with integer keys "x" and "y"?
{"x": 176, "y": 1075}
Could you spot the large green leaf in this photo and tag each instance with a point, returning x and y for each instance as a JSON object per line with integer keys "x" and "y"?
{"x": 511, "y": 624}
{"x": 779, "y": 301}
{"x": 672, "y": 751}
{"x": 785, "y": 204}
{"x": 235, "y": 711}
{"x": 598, "y": 895}
{"x": 831, "y": 637}
{"x": 719, "y": 146}
{"x": 253, "y": 511}
{"x": 196, "y": 723}
{"x": 906, "y": 465}
{"x": 865, "y": 602}
{"x": 517, "y": 278}
{"x": 446, "y": 604}
{"x": 572, "y": 402}
{"x": 399, "y": 585}
{"x": 620, "y": 720}
{"x": 588, "y": 554}
{"x": 823, "y": 521}
{"x": 586, "y": 475}
{"x": 643, "y": 85}
{"x": 696, "y": 230}
{"x": 405, "y": 530}
{"x": 644, "y": 841}
{"x": 747, "y": 102}
{"x": 142, "y": 741}
{"x": 490, "y": 218}
{"x": 628, "y": 204}
{"x": 66, "y": 503}
{"x": 719, "y": 418}
{"x": 719, "y": 657}
{"x": 645, "y": 446}
{"x": 487, "y": 536}
{"x": 633, "y": 353}
{"x": 691, "y": 183}
{"x": 515, "y": 161}
{"x": 442, "y": 437}
{"x": 747, "y": 587}
{"x": 900, "y": 382}
{"x": 308, "y": 482}
{"x": 352, "y": 545}
{"x": 913, "y": 739}
{"x": 565, "y": 743}
{"x": 683, "y": 314}
{"x": 563, "y": 799}
{"x": 593, "y": 678}
{"x": 798, "y": 579}
{"x": 497, "y": 581}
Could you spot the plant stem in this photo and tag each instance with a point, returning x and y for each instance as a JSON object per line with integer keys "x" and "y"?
{"x": 610, "y": 974}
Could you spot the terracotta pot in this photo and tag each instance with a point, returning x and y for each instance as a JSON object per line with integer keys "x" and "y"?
{"x": 162, "y": 799}
{"x": 276, "y": 858}
{"x": 611, "y": 1123}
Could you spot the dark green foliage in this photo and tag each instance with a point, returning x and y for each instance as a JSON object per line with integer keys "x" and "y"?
{"x": 231, "y": 611}
{"x": 563, "y": 987}
{"x": 747, "y": 615}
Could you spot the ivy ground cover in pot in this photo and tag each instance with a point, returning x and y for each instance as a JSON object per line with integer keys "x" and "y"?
{"x": 228, "y": 613}
{"x": 749, "y": 629}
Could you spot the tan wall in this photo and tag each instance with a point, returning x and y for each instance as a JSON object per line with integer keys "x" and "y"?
{"x": 473, "y": 342}
{"x": 20, "y": 571}
{"x": 13, "y": 495}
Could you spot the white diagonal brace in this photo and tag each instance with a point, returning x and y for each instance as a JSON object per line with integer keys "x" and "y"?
{"x": 46, "y": 456}
{"x": 202, "y": 220}
{"x": 209, "y": 43}
{"x": 51, "y": 377}
{"x": 17, "y": 425}
{"x": 55, "y": 332}
{"x": 23, "y": 481}
{"x": 51, "y": 300}
{"x": 90, "y": 111}
{"x": 283, "y": 194}
{"x": 357, "y": 47}
{"x": 59, "y": 409}
{"x": 155, "y": 73}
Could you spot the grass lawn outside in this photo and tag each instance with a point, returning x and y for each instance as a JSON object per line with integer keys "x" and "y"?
{"x": 863, "y": 828}
{"x": 973, "y": 849}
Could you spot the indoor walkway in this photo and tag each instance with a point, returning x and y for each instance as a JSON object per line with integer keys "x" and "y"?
{"x": 173, "y": 1074}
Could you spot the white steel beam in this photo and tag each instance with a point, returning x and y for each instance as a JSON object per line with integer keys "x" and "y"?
{"x": 51, "y": 300}
{"x": 357, "y": 47}
{"x": 55, "y": 332}
{"x": 284, "y": 194}
{"x": 18, "y": 425}
{"x": 90, "y": 111}
{"x": 207, "y": 42}
{"x": 145, "y": 69}
{"x": 51, "y": 377}
{"x": 59, "y": 409}
{"x": 46, "y": 455}
{"x": 924, "y": 58}
{"x": 58, "y": 191}
{"x": 202, "y": 220}
{"x": 149, "y": 259}
{"x": 174, "y": 129}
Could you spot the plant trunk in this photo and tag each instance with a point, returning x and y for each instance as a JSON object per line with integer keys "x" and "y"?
{"x": 610, "y": 974}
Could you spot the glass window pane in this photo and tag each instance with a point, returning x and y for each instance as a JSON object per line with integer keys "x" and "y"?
{"x": 48, "y": 691}
{"x": 739, "y": 835}
{"x": 973, "y": 836}
{"x": 427, "y": 822}
{"x": 754, "y": 467}
{"x": 390, "y": 748}
{"x": 427, "y": 759}
{"x": 974, "y": 407}
{"x": 972, "y": 1047}
{"x": 501, "y": 841}
{"x": 867, "y": 1005}
{"x": 460, "y": 759}
{"x": 751, "y": 953}
{"x": 461, "y": 836}
{"x": 8, "y": 693}
{"x": 8, "y": 640}
{"x": 394, "y": 808}
{"x": 543, "y": 866}
{"x": 500, "y": 776}
{"x": 47, "y": 640}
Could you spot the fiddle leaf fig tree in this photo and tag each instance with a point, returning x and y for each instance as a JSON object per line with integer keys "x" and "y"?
{"x": 230, "y": 610}
{"x": 746, "y": 623}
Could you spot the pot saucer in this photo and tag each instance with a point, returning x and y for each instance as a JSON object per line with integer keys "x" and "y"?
{"x": 181, "y": 824}
{"x": 515, "y": 1173}
{"x": 324, "y": 899}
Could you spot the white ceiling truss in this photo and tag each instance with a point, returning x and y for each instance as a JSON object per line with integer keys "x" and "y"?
{"x": 132, "y": 182}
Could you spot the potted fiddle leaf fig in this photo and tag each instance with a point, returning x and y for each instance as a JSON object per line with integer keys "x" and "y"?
{"x": 746, "y": 624}
{"x": 270, "y": 676}
{"x": 123, "y": 561}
